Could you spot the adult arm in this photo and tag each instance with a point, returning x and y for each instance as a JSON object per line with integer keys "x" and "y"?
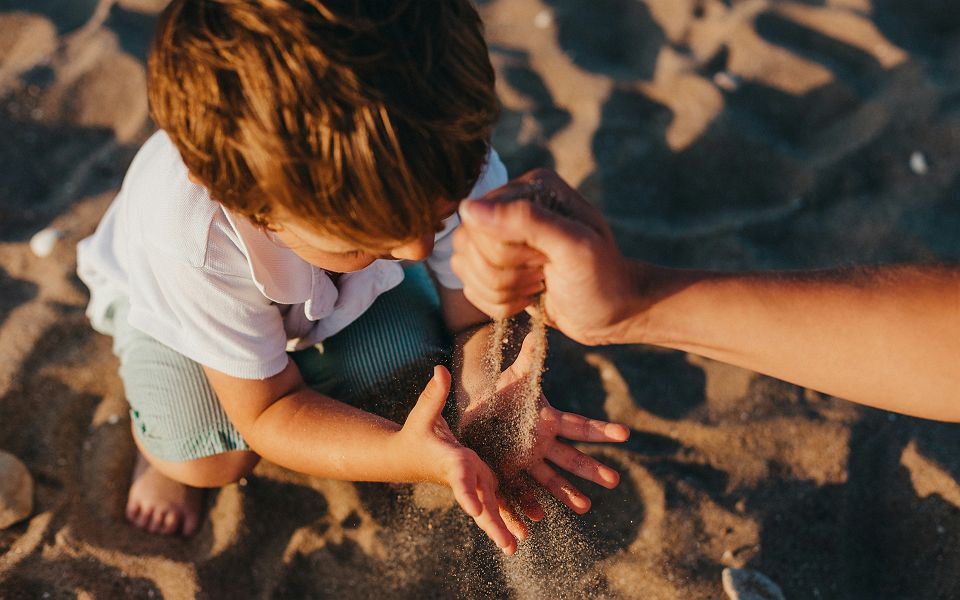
{"x": 887, "y": 337}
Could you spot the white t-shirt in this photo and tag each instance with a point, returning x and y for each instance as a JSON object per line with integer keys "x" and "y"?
{"x": 212, "y": 286}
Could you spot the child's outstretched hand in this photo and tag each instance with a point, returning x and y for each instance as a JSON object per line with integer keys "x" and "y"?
{"x": 550, "y": 425}
{"x": 426, "y": 434}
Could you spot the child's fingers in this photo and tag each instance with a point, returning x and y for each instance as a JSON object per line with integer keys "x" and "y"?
{"x": 564, "y": 491}
{"x": 530, "y": 506}
{"x": 432, "y": 399}
{"x": 492, "y": 524}
{"x": 513, "y": 522}
{"x": 582, "y": 429}
{"x": 572, "y": 460}
{"x": 464, "y": 490}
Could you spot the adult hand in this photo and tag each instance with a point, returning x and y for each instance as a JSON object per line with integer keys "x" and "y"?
{"x": 498, "y": 422}
{"x": 537, "y": 235}
{"x": 426, "y": 435}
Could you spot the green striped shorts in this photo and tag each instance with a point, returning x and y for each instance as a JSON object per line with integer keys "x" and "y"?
{"x": 380, "y": 363}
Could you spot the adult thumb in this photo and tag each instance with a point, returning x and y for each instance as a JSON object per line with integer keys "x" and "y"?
{"x": 523, "y": 222}
{"x": 432, "y": 399}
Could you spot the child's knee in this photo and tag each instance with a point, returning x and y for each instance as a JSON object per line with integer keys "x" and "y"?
{"x": 210, "y": 471}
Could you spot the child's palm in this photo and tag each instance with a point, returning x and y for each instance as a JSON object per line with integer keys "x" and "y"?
{"x": 552, "y": 424}
{"x": 473, "y": 483}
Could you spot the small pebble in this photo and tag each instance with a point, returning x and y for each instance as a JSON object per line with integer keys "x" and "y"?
{"x": 16, "y": 490}
{"x": 918, "y": 164}
{"x": 726, "y": 81}
{"x": 745, "y": 584}
{"x": 43, "y": 242}
{"x": 543, "y": 20}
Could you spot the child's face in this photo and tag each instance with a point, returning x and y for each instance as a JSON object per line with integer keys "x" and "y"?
{"x": 333, "y": 254}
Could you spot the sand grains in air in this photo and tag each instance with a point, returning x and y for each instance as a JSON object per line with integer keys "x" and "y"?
{"x": 558, "y": 560}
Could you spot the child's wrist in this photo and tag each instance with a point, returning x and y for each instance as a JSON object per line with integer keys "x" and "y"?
{"x": 411, "y": 461}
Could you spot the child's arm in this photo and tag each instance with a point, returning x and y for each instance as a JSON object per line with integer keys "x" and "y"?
{"x": 473, "y": 329}
{"x": 288, "y": 423}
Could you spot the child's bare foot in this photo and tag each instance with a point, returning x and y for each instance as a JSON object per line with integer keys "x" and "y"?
{"x": 161, "y": 505}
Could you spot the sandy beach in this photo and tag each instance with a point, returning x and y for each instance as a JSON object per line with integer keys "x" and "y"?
{"x": 737, "y": 134}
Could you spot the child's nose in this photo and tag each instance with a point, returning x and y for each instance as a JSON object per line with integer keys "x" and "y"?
{"x": 417, "y": 249}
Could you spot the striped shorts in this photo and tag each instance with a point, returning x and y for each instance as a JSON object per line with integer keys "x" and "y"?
{"x": 380, "y": 363}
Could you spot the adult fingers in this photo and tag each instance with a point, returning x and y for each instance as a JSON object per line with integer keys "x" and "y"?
{"x": 468, "y": 259}
{"x": 500, "y": 252}
{"x": 495, "y": 309}
{"x": 546, "y": 188}
{"x": 500, "y": 293}
{"x": 521, "y": 222}
{"x": 493, "y": 284}
{"x": 562, "y": 489}
{"x": 582, "y": 429}
{"x": 584, "y": 466}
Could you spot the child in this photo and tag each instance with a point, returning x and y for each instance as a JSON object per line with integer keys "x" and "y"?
{"x": 257, "y": 270}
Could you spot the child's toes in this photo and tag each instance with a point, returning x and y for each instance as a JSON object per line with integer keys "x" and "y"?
{"x": 159, "y": 516}
{"x": 133, "y": 511}
{"x": 144, "y": 517}
{"x": 191, "y": 521}
{"x": 170, "y": 523}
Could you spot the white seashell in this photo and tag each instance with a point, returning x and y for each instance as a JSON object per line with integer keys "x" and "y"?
{"x": 543, "y": 20}
{"x": 918, "y": 163}
{"x": 744, "y": 584}
{"x": 43, "y": 241}
{"x": 16, "y": 490}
